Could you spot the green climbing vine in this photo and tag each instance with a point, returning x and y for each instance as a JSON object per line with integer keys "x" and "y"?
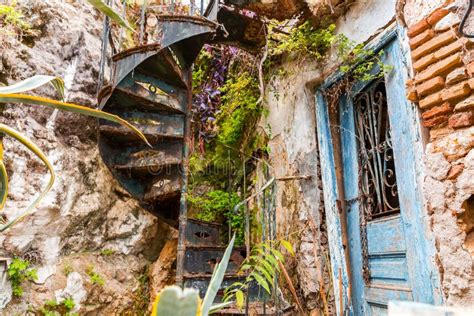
{"x": 306, "y": 42}
{"x": 226, "y": 112}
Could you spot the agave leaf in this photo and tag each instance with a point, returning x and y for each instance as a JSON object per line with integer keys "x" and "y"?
{"x": 108, "y": 11}
{"x": 3, "y": 179}
{"x": 172, "y": 300}
{"x": 217, "y": 307}
{"x": 216, "y": 279}
{"x": 37, "y": 151}
{"x": 33, "y": 83}
{"x": 29, "y": 99}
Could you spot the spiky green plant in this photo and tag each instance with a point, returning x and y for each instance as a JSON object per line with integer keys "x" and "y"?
{"x": 14, "y": 94}
{"x": 172, "y": 300}
{"x": 108, "y": 11}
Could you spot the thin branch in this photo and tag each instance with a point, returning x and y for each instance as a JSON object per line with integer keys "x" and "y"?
{"x": 292, "y": 287}
{"x": 260, "y": 68}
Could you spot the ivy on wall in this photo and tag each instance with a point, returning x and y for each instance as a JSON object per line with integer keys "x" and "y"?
{"x": 227, "y": 89}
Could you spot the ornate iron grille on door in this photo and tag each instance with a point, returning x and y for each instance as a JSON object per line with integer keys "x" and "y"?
{"x": 377, "y": 176}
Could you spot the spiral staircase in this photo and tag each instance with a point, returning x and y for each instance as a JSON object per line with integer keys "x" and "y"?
{"x": 151, "y": 88}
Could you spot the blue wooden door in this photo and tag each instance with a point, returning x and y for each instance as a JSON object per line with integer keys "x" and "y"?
{"x": 389, "y": 256}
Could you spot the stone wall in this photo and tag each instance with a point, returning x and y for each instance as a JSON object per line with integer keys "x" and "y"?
{"x": 86, "y": 221}
{"x": 443, "y": 89}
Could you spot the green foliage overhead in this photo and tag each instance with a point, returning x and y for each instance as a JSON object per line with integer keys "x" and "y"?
{"x": 239, "y": 107}
{"x": 18, "y": 272}
{"x": 359, "y": 62}
{"x": 218, "y": 204}
{"x": 213, "y": 205}
{"x": 305, "y": 40}
{"x": 201, "y": 70}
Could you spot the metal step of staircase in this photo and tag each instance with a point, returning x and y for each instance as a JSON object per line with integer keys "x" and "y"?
{"x": 201, "y": 283}
{"x": 200, "y": 233}
{"x": 203, "y": 259}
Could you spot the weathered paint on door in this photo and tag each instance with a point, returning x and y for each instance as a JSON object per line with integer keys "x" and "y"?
{"x": 397, "y": 256}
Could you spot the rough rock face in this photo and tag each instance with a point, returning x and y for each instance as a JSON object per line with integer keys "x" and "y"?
{"x": 86, "y": 212}
{"x": 449, "y": 195}
{"x": 161, "y": 273}
{"x": 321, "y": 11}
{"x": 449, "y": 185}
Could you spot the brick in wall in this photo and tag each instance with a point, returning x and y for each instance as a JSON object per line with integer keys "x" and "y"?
{"x": 444, "y": 76}
{"x": 438, "y": 41}
{"x": 456, "y": 92}
{"x": 465, "y": 105}
{"x": 443, "y": 109}
{"x": 441, "y": 67}
{"x": 463, "y": 119}
{"x": 431, "y": 100}
{"x": 457, "y": 75}
{"x": 430, "y": 86}
{"x": 422, "y": 38}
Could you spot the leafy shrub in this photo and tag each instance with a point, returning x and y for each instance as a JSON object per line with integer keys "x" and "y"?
{"x": 94, "y": 277}
{"x": 54, "y": 308}
{"x": 262, "y": 266}
{"x": 215, "y": 204}
{"x": 9, "y": 15}
{"x": 18, "y": 272}
{"x": 107, "y": 252}
{"x": 308, "y": 41}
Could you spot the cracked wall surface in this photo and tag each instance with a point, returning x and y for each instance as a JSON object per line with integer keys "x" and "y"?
{"x": 86, "y": 221}
{"x": 448, "y": 185}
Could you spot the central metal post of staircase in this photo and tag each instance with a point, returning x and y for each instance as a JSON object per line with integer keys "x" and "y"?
{"x": 183, "y": 202}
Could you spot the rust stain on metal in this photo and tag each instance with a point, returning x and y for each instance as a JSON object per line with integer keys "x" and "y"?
{"x": 135, "y": 50}
{"x": 187, "y": 18}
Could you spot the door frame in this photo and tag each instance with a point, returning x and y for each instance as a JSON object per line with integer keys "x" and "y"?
{"x": 408, "y": 149}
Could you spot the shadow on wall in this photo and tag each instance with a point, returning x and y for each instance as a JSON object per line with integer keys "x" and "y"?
{"x": 466, "y": 222}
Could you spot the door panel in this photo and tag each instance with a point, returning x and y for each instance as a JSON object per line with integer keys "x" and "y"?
{"x": 390, "y": 254}
{"x": 377, "y": 240}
